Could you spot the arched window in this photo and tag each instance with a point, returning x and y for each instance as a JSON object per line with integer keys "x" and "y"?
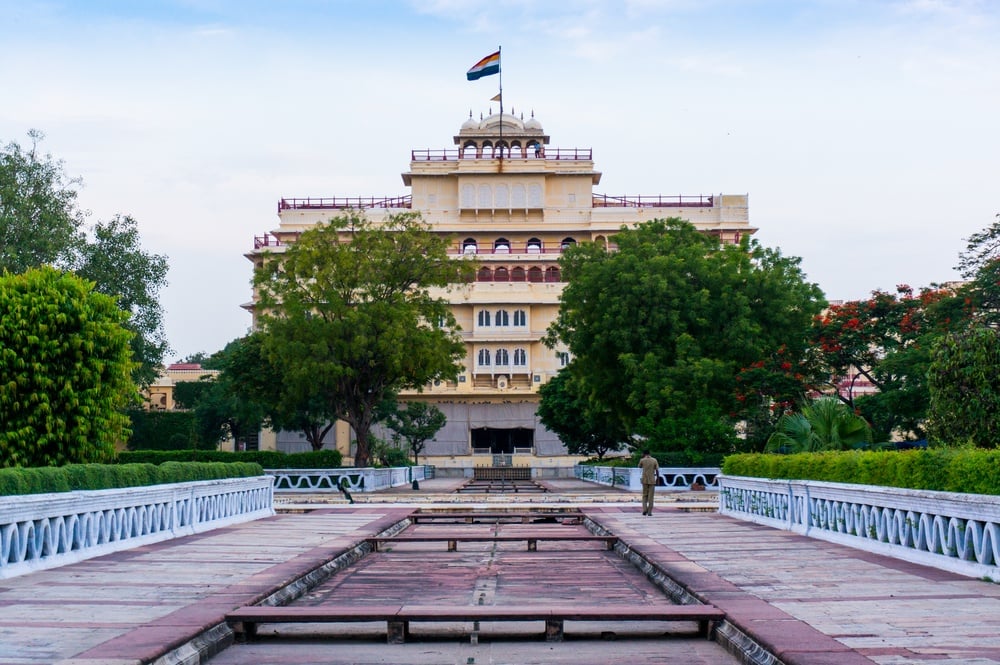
{"x": 534, "y": 246}
{"x": 484, "y": 357}
{"x": 501, "y": 246}
{"x": 534, "y": 274}
{"x": 520, "y": 358}
{"x": 502, "y": 357}
{"x": 517, "y": 274}
{"x": 469, "y": 246}
{"x": 520, "y": 318}
{"x": 552, "y": 274}
{"x": 469, "y": 150}
{"x": 501, "y": 275}
{"x": 503, "y": 317}
{"x": 566, "y": 243}
{"x": 484, "y": 275}
{"x": 484, "y": 318}
{"x": 563, "y": 357}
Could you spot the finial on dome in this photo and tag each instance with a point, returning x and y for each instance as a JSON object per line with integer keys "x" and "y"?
{"x": 470, "y": 114}
{"x": 480, "y": 116}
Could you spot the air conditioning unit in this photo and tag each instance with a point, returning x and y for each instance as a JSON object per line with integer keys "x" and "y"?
{"x": 502, "y": 382}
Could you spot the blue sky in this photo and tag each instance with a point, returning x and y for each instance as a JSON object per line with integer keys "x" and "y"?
{"x": 864, "y": 132}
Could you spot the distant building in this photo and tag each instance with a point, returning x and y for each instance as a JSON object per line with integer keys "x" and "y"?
{"x": 503, "y": 195}
{"x": 159, "y": 396}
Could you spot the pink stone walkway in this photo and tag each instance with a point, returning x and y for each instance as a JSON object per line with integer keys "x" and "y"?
{"x": 809, "y": 602}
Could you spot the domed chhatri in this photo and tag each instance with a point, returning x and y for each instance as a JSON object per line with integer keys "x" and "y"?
{"x": 501, "y": 135}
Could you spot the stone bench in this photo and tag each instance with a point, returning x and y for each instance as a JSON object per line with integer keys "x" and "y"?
{"x": 453, "y": 540}
{"x": 471, "y": 517}
{"x": 244, "y": 620}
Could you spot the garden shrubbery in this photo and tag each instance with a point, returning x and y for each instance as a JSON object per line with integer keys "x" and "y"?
{"x": 967, "y": 470}
{"x": 40, "y": 480}
{"x": 268, "y": 459}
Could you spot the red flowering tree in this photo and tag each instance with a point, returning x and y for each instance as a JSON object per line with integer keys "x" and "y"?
{"x": 883, "y": 343}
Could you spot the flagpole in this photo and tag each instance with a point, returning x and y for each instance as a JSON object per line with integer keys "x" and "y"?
{"x": 500, "y": 72}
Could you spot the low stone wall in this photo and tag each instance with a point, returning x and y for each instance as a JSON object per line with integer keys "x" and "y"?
{"x": 955, "y": 532}
{"x": 353, "y": 480}
{"x": 39, "y": 531}
{"x": 629, "y": 478}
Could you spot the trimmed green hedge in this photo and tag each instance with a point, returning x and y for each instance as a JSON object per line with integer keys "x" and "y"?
{"x": 679, "y": 458}
{"x": 968, "y": 470}
{"x": 268, "y": 459}
{"x": 41, "y": 480}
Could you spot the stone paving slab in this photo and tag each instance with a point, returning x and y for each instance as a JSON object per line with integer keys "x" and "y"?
{"x": 810, "y": 602}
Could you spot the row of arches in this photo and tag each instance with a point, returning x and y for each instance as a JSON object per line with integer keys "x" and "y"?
{"x": 505, "y": 246}
{"x": 501, "y": 318}
{"x": 518, "y": 274}
{"x": 502, "y": 358}
{"x": 499, "y": 149}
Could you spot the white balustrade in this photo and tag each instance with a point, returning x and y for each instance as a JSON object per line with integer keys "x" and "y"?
{"x": 955, "y": 532}
{"x": 670, "y": 478}
{"x": 39, "y": 531}
{"x": 353, "y": 480}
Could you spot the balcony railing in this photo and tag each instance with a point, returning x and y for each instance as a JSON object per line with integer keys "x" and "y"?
{"x": 345, "y": 203}
{"x": 673, "y": 201}
{"x": 550, "y": 154}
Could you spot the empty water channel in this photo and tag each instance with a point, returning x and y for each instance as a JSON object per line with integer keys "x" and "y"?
{"x": 458, "y": 586}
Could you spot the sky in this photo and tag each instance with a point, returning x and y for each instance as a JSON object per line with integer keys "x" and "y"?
{"x": 865, "y": 132}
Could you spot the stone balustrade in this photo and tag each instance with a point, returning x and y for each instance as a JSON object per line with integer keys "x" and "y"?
{"x": 629, "y": 478}
{"x": 40, "y": 531}
{"x": 353, "y": 480}
{"x": 955, "y": 532}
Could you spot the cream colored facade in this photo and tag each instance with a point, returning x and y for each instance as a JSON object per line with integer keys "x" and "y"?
{"x": 506, "y": 196}
{"x": 159, "y": 395}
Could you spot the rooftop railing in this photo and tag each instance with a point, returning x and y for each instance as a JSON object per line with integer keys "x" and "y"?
{"x": 556, "y": 154}
{"x": 673, "y": 201}
{"x": 345, "y": 203}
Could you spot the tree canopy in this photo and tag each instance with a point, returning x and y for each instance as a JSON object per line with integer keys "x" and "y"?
{"x": 66, "y": 364}
{"x": 416, "y": 423}
{"x": 964, "y": 386}
{"x": 348, "y": 314}
{"x": 584, "y": 428}
{"x": 41, "y": 224}
{"x": 659, "y": 329}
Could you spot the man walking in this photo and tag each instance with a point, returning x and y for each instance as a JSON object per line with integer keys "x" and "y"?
{"x": 649, "y": 467}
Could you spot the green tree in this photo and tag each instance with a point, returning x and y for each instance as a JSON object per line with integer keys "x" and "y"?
{"x": 660, "y": 328}
{"x": 350, "y": 318}
{"x": 416, "y": 424}
{"x": 825, "y": 424}
{"x": 964, "y": 383}
{"x": 116, "y": 262}
{"x": 41, "y": 224}
{"x": 584, "y": 428}
{"x": 39, "y": 219}
{"x": 65, "y": 363}
{"x": 980, "y": 263}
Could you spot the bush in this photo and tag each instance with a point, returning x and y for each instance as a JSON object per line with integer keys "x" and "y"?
{"x": 966, "y": 470}
{"x": 41, "y": 480}
{"x": 268, "y": 459}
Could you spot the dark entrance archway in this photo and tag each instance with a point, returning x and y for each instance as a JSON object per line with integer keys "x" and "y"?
{"x": 502, "y": 441}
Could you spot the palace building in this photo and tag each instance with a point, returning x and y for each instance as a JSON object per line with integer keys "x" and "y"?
{"x": 505, "y": 195}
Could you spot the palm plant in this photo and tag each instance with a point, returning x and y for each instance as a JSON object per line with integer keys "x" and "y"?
{"x": 825, "y": 424}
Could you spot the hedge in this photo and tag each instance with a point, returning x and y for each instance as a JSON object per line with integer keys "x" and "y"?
{"x": 41, "y": 480}
{"x": 268, "y": 459}
{"x": 966, "y": 470}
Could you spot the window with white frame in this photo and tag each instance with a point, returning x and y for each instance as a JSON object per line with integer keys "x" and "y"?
{"x": 484, "y": 317}
{"x": 520, "y": 357}
{"x": 484, "y": 357}
{"x": 503, "y": 317}
{"x": 502, "y": 357}
{"x": 520, "y": 318}
{"x": 563, "y": 357}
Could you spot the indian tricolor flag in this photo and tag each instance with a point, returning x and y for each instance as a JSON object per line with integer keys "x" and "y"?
{"x": 485, "y": 67}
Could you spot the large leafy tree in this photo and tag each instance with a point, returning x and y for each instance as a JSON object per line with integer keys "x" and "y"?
{"x": 259, "y": 380}
{"x": 41, "y": 224}
{"x": 964, "y": 384}
{"x": 660, "y": 328}
{"x": 349, "y": 315}
{"x": 584, "y": 428}
{"x": 980, "y": 263}
{"x": 887, "y": 340}
{"x": 65, "y": 363}
{"x": 824, "y": 424}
